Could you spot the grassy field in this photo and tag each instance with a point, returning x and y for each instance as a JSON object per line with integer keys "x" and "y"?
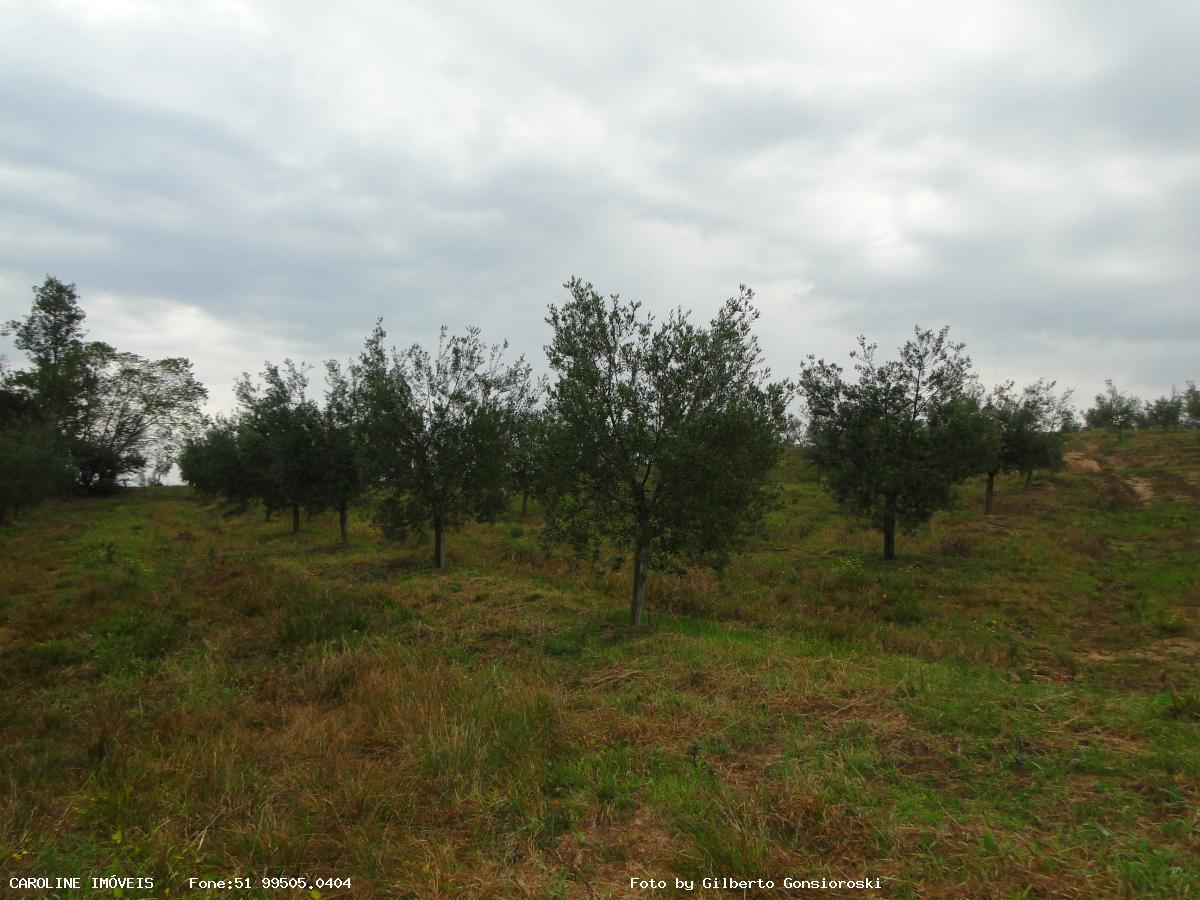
{"x": 1010, "y": 709}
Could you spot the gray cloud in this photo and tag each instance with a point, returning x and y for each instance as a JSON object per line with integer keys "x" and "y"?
{"x": 235, "y": 182}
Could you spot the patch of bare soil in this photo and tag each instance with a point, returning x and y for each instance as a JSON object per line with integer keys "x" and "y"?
{"x": 1142, "y": 488}
{"x": 1168, "y": 649}
{"x": 1076, "y": 460}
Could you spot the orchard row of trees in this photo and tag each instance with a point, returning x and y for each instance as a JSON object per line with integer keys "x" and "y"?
{"x": 1122, "y": 412}
{"x": 652, "y": 441}
{"x": 84, "y": 415}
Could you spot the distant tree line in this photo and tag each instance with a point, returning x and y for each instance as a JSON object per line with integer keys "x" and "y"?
{"x": 652, "y": 442}
{"x": 84, "y": 415}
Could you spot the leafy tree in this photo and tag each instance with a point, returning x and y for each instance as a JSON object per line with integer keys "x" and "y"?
{"x": 117, "y": 412}
{"x": 1165, "y": 412}
{"x": 1191, "y": 404}
{"x": 438, "y": 431}
{"x": 137, "y": 413}
{"x": 1113, "y": 410}
{"x": 663, "y": 436}
{"x": 528, "y": 460}
{"x": 342, "y": 478}
{"x": 1029, "y": 428}
{"x": 280, "y": 435}
{"x": 214, "y": 463}
{"x": 52, "y": 336}
{"x": 33, "y": 460}
{"x": 893, "y": 442}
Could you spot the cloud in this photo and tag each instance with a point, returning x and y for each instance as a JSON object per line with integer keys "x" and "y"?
{"x": 243, "y": 181}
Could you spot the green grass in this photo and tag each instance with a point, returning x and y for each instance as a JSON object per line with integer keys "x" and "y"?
{"x": 1009, "y": 709}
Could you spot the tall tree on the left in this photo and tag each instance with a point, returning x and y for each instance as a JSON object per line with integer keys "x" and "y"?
{"x": 117, "y": 413}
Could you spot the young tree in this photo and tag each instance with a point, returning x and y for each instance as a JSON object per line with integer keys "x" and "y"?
{"x": 33, "y": 460}
{"x": 438, "y": 431}
{"x": 663, "y": 434}
{"x": 1029, "y": 427}
{"x": 279, "y": 434}
{"x": 528, "y": 459}
{"x": 1113, "y": 410}
{"x": 1165, "y": 412}
{"x": 1191, "y": 404}
{"x": 339, "y": 447}
{"x": 893, "y": 442}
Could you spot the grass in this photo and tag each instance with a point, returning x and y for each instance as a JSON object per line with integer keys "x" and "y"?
{"x": 1007, "y": 710}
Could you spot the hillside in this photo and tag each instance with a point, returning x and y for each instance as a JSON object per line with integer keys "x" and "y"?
{"x": 1008, "y": 709}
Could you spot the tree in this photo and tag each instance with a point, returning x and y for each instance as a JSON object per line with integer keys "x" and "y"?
{"x": 339, "y": 447}
{"x": 279, "y": 435}
{"x": 1029, "y": 428}
{"x": 1190, "y": 399}
{"x": 664, "y": 435}
{"x": 1165, "y": 412}
{"x": 528, "y": 458}
{"x": 118, "y": 413}
{"x": 893, "y": 442}
{"x": 33, "y": 461}
{"x": 1113, "y": 410}
{"x": 136, "y": 414}
{"x": 438, "y": 431}
{"x": 52, "y": 336}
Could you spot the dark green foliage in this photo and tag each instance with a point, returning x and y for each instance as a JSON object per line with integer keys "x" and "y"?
{"x": 280, "y": 435}
{"x": 116, "y": 412}
{"x": 894, "y": 442}
{"x": 438, "y": 430}
{"x": 1113, "y": 410}
{"x": 339, "y": 448}
{"x": 33, "y": 458}
{"x": 1165, "y": 412}
{"x": 527, "y": 461}
{"x": 1028, "y": 428}
{"x": 662, "y": 435}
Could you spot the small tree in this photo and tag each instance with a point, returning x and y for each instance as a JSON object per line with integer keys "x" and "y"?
{"x": 663, "y": 435}
{"x": 1191, "y": 404}
{"x": 438, "y": 431}
{"x": 1114, "y": 410}
{"x": 893, "y": 442}
{"x": 1029, "y": 428}
{"x": 339, "y": 447}
{"x": 1165, "y": 413}
{"x": 279, "y": 435}
{"x": 528, "y": 460}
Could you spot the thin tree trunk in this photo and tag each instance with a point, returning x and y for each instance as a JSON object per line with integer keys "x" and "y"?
{"x": 637, "y": 604}
{"x": 295, "y": 518}
{"x": 268, "y": 512}
{"x": 342, "y": 515}
{"x": 889, "y": 537}
{"x": 1028, "y": 477}
{"x": 987, "y": 502}
{"x": 524, "y": 502}
{"x": 439, "y": 543}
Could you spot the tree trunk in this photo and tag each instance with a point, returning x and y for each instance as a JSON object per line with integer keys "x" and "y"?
{"x": 1028, "y": 477}
{"x": 295, "y": 518}
{"x": 987, "y": 502}
{"x": 637, "y": 604}
{"x": 524, "y": 502}
{"x": 342, "y": 514}
{"x": 268, "y": 513}
{"x": 889, "y": 537}
{"x": 439, "y": 543}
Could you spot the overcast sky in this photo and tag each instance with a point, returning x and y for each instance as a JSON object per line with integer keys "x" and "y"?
{"x": 235, "y": 182}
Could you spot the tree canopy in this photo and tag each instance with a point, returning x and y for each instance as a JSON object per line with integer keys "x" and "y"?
{"x": 895, "y": 440}
{"x": 663, "y": 434}
{"x": 438, "y": 430}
